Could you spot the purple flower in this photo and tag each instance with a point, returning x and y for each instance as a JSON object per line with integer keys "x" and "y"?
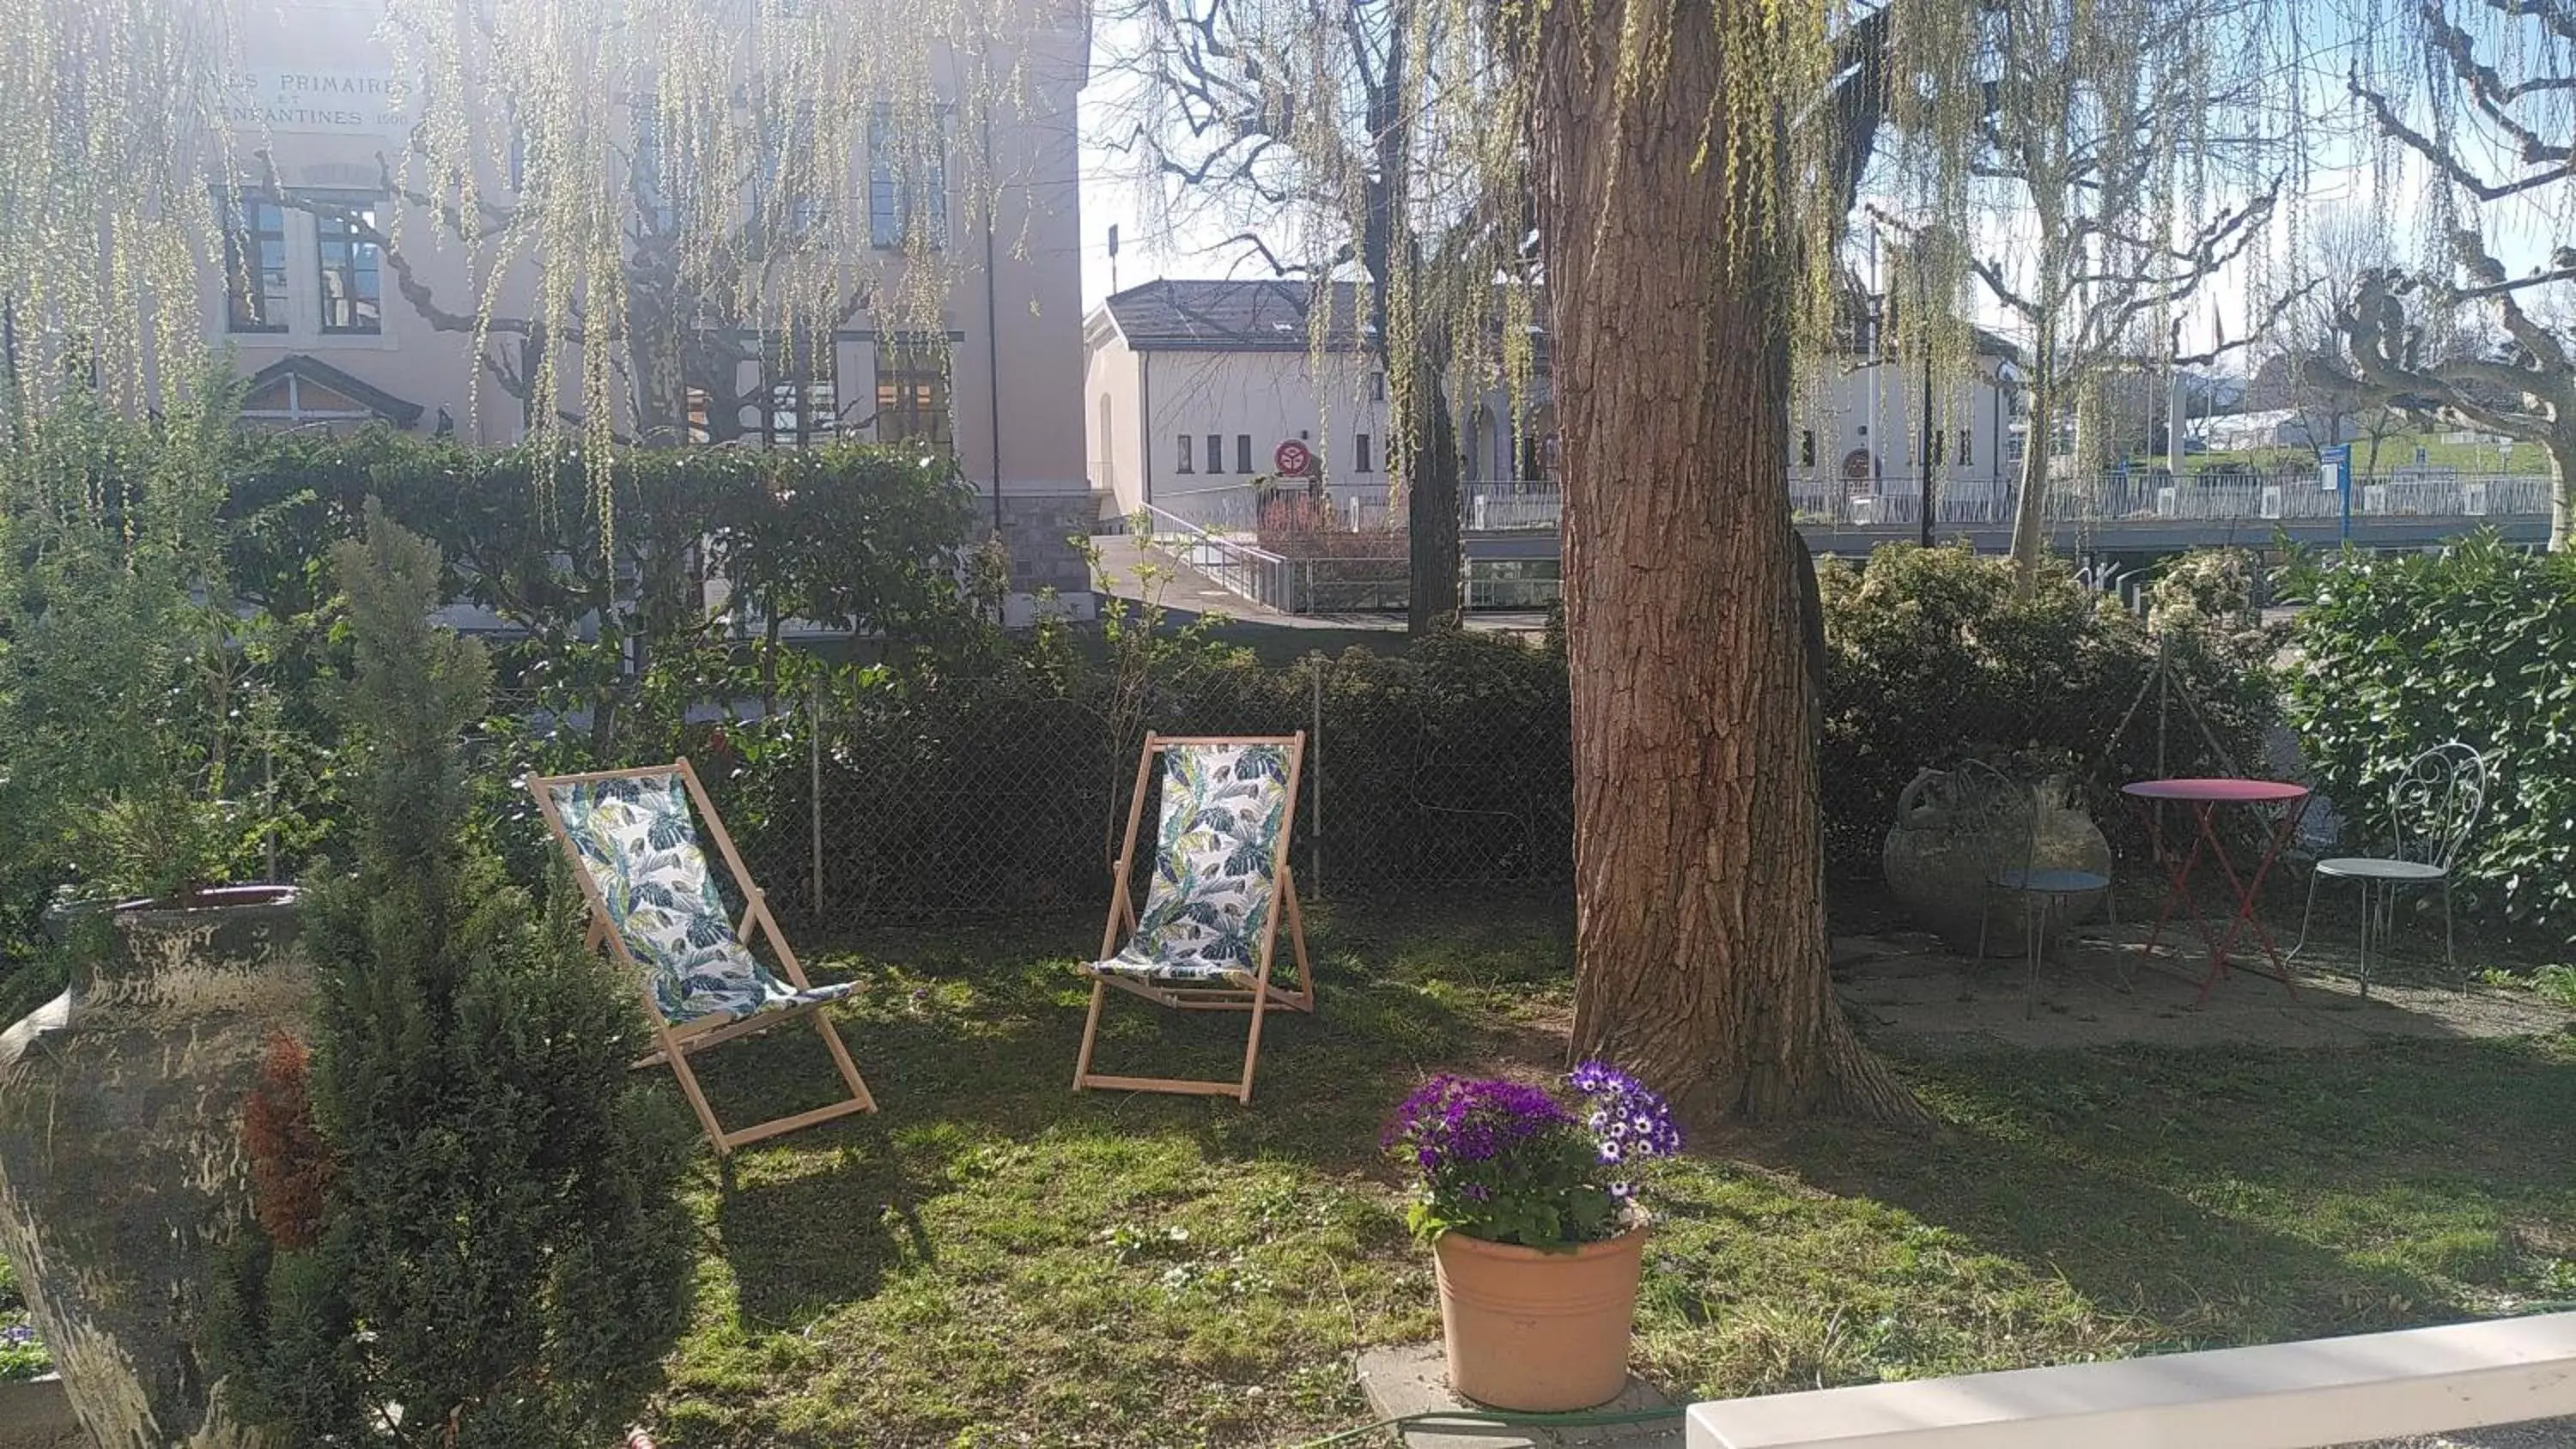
{"x": 1626, "y": 1113}
{"x": 17, "y": 1335}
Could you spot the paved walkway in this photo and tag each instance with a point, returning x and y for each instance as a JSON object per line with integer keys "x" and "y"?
{"x": 1908, "y": 985}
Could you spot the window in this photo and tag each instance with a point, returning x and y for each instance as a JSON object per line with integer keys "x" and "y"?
{"x": 1807, "y": 448}
{"x": 1377, "y": 387}
{"x": 292, "y": 401}
{"x": 907, "y": 183}
{"x": 789, "y": 401}
{"x": 912, "y": 395}
{"x": 651, "y": 196}
{"x": 1932, "y": 446}
{"x": 788, "y": 196}
{"x": 1243, "y": 452}
{"x": 1966, "y": 454}
{"x": 254, "y": 266}
{"x": 1185, "y": 455}
{"x": 349, "y": 268}
{"x": 1216, "y": 453}
{"x": 1360, "y": 454}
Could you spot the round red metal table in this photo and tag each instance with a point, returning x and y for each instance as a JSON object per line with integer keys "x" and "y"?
{"x": 2202, "y": 797}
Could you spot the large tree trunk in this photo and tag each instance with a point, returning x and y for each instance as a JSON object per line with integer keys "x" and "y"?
{"x": 1434, "y": 593}
{"x": 1700, "y": 929}
{"x": 2562, "y": 487}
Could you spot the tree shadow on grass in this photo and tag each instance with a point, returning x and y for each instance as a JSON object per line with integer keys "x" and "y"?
{"x": 2239, "y": 1195}
{"x": 968, "y": 1042}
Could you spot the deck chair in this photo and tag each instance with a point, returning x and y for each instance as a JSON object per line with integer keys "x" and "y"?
{"x": 1220, "y": 885}
{"x": 635, "y": 845}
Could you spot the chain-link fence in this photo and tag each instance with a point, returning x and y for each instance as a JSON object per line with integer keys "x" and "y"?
{"x": 906, "y": 809}
{"x": 901, "y": 794}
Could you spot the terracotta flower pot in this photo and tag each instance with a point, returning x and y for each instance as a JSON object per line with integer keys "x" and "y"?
{"x": 121, "y": 1170}
{"x": 1536, "y": 1331}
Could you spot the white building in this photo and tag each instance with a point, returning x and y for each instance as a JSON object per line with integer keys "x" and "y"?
{"x": 1194, "y": 388}
{"x": 314, "y": 296}
{"x": 1862, "y": 427}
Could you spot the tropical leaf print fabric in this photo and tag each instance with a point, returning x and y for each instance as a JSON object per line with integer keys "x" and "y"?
{"x": 638, "y": 841}
{"x": 1216, "y": 864}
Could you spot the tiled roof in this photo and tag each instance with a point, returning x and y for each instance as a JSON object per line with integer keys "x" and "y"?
{"x": 1233, "y": 316}
{"x": 1265, "y": 315}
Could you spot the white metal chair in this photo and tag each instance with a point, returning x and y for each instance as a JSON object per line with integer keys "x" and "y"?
{"x": 2433, "y": 804}
{"x": 2005, "y": 811}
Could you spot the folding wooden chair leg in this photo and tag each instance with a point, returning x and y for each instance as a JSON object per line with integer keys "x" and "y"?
{"x": 841, "y": 1058}
{"x": 1252, "y": 1042}
{"x": 1090, "y": 1032}
{"x": 1297, "y": 943}
{"x": 697, "y": 1096}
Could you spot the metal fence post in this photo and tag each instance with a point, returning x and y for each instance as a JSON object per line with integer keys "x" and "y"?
{"x": 268, "y": 776}
{"x": 1315, "y": 780}
{"x": 814, "y": 782}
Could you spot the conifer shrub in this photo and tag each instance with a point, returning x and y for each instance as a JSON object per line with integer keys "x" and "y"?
{"x": 499, "y": 1259}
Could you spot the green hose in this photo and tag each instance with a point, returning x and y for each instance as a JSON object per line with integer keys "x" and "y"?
{"x": 1461, "y": 1419}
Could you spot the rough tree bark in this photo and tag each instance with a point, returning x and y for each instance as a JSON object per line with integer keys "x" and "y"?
{"x": 1700, "y": 931}
{"x": 1433, "y": 594}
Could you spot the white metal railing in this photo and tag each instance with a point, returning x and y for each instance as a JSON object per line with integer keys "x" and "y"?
{"x": 2148, "y": 498}
{"x": 1960, "y": 502}
{"x": 1233, "y": 565}
{"x": 2278, "y": 1396}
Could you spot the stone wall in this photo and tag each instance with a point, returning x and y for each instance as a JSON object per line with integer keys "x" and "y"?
{"x": 1038, "y": 529}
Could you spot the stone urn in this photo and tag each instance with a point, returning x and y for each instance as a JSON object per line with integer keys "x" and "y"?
{"x": 1949, "y": 836}
{"x": 122, "y": 1173}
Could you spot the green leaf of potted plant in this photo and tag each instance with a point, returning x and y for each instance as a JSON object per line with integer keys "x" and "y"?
{"x": 1529, "y": 1205}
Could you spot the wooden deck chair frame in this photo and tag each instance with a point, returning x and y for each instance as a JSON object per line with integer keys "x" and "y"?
{"x": 1256, "y": 998}
{"x": 678, "y": 1043}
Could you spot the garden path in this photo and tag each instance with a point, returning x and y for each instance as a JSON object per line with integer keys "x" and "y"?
{"x": 1907, "y": 985}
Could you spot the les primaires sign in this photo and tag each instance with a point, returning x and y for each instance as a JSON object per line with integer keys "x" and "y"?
{"x": 280, "y": 98}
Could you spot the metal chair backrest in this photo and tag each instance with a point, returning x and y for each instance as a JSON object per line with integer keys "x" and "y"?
{"x": 1994, "y": 806}
{"x": 2435, "y": 802}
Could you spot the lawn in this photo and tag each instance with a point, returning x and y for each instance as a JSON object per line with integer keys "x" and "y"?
{"x": 995, "y": 1261}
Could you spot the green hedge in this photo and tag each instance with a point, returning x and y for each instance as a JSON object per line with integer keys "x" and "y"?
{"x": 2477, "y": 644}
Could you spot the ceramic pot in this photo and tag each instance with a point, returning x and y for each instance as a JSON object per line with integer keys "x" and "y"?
{"x": 1942, "y": 849}
{"x": 122, "y": 1172}
{"x": 1537, "y": 1331}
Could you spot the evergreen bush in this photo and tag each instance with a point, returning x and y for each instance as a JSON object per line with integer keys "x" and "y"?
{"x": 2476, "y": 644}
{"x": 500, "y": 1260}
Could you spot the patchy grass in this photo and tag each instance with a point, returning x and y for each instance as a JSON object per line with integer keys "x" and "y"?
{"x": 994, "y": 1260}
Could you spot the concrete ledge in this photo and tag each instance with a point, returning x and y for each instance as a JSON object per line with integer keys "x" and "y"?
{"x": 37, "y": 1414}
{"x": 1414, "y": 1379}
{"x": 2280, "y": 1396}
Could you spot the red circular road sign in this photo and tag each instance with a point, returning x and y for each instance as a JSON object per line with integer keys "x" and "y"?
{"x": 1293, "y": 458}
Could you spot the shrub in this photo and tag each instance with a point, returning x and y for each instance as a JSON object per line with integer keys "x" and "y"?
{"x": 501, "y": 1260}
{"x": 2477, "y": 644}
{"x": 290, "y": 1165}
{"x": 22, "y": 1354}
{"x": 1933, "y": 654}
